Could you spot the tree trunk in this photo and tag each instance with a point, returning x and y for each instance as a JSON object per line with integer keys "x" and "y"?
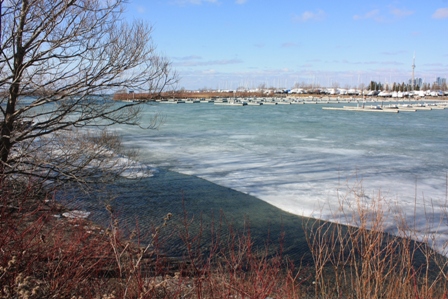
{"x": 7, "y": 129}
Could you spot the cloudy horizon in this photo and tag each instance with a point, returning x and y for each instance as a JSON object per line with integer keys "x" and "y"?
{"x": 227, "y": 44}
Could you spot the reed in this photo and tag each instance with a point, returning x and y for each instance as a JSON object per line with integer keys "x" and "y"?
{"x": 44, "y": 256}
{"x": 360, "y": 260}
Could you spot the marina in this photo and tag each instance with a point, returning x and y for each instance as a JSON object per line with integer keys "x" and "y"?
{"x": 391, "y": 105}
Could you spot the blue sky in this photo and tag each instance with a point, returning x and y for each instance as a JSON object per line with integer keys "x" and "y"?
{"x": 230, "y": 43}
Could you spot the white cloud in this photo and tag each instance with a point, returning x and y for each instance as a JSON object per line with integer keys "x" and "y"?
{"x": 194, "y": 78}
{"x": 194, "y": 63}
{"x": 441, "y": 13}
{"x": 191, "y": 57}
{"x": 240, "y": 1}
{"x": 209, "y": 72}
{"x": 400, "y": 13}
{"x": 141, "y": 9}
{"x": 310, "y": 16}
{"x": 393, "y": 53}
{"x": 373, "y": 14}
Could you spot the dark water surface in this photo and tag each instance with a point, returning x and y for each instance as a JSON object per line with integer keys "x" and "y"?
{"x": 205, "y": 206}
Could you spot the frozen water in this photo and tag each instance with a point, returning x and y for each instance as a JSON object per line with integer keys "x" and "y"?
{"x": 305, "y": 160}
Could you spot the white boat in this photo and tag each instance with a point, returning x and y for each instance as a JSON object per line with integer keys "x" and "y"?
{"x": 384, "y": 94}
{"x": 390, "y": 106}
{"x": 232, "y": 103}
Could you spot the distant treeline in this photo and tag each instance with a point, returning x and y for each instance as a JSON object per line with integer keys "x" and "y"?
{"x": 186, "y": 94}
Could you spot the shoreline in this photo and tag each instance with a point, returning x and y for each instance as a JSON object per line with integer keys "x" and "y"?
{"x": 246, "y": 94}
{"x": 88, "y": 244}
{"x": 148, "y": 200}
{"x": 207, "y": 206}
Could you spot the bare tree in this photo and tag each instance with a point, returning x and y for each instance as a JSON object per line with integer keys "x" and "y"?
{"x": 262, "y": 86}
{"x": 60, "y": 60}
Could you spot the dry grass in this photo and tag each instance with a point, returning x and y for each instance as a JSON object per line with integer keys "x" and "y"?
{"x": 361, "y": 261}
{"x": 42, "y": 256}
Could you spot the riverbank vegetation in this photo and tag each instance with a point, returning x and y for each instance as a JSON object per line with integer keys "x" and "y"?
{"x": 47, "y": 255}
{"x": 58, "y": 60}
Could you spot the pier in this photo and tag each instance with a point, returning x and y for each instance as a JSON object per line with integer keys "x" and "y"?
{"x": 358, "y": 104}
{"x": 361, "y": 109}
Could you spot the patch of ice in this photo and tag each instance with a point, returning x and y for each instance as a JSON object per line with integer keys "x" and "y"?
{"x": 76, "y": 214}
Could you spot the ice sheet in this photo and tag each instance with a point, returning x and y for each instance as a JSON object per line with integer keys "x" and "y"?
{"x": 305, "y": 160}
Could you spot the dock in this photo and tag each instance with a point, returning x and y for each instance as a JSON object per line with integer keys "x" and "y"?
{"x": 361, "y": 109}
{"x": 358, "y": 104}
{"x": 231, "y": 103}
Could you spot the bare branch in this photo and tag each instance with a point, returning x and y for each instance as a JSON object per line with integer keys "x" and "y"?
{"x": 60, "y": 62}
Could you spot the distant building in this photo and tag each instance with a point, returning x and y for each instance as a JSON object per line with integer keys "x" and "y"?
{"x": 417, "y": 82}
{"x": 440, "y": 81}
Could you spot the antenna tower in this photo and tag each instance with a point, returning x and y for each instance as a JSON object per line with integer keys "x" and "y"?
{"x": 413, "y": 71}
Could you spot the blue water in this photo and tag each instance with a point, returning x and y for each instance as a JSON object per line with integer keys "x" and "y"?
{"x": 301, "y": 159}
{"x": 274, "y": 152}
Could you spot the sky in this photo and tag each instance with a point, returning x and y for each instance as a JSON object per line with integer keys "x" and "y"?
{"x": 226, "y": 44}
